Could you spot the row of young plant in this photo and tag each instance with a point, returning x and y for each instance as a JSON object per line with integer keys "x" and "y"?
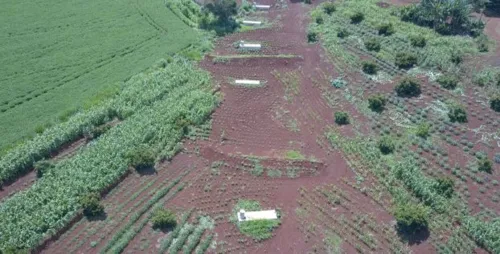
{"x": 30, "y": 216}
{"x": 140, "y": 91}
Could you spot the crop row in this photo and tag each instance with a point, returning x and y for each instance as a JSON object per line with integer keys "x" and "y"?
{"x": 184, "y": 97}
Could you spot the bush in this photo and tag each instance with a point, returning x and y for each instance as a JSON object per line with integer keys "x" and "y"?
{"x": 341, "y": 118}
{"x": 411, "y": 217}
{"x": 42, "y": 167}
{"x": 377, "y": 102}
{"x": 482, "y": 43}
{"x": 357, "y": 17}
{"x": 408, "y": 87}
{"x": 372, "y": 44}
{"x": 386, "y": 145}
{"x": 495, "y": 103}
{"x": 444, "y": 186}
{"x": 423, "y": 130}
{"x": 343, "y": 33}
{"x": 308, "y": 1}
{"x": 319, "y": 20}
{"x": 484, "y": 165}
{"x": 141, "y": 158}
{"x": 163, "y": 218}
{"x": 418, "y": 41}
{"x": 312, "y": 36}
{"x": 457, "y": 113}
{"x": 405, "y": 60}
{"x": 456, "y": 57}
{"x": 329, "y": 8}
{"x": 386, "y": 29}
{"x": 91, "y": 205}
{"x": 369, "y": 67}
{"x": 447, "y": 81}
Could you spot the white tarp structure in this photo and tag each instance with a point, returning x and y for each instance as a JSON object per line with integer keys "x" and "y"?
{"x": 262, "y": 7}
{"x": 257, "y": 215}
{"x": 247, "y": 82}
{"x": 251, "y": 23}
{"x": 249, "y": 46}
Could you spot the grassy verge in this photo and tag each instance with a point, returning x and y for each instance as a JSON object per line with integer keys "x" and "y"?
{"x": 256, "y": 229}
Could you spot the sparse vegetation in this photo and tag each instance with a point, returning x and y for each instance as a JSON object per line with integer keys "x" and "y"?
{"x": 408, "y": 87}
{"x": 341, "y": 118}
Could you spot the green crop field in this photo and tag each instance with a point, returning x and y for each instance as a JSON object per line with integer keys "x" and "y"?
{"x": 58, "y": 56}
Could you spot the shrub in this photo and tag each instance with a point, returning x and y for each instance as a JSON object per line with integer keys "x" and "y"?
{"x": 341, "y": 118}
{"x": 163, "y": 218}
{"x": 372, "y": 44}
{"x": 312, "y": 36}
{"x": 386, "y": 145}
{"x": 91, "y": 205}
{"x": 343, "y": 33}
{"x": 457, "y": 113}
{"x": 308, "y": 1}
{"x": 444, "y": 186}
{"x": 339, "y": 82}
{"x": 377, "y": 102}
{"x": 319, "y": 20}
{"x": 411, "y": 217}
{"x": 329, "y": 8}
{"x": 495, "y": 103}
{"x": 482, "y": 43}
{"x": 423, "y": 130}
{"x": 418, "y": 41}
{"x": 369, "y": 67}
{"x": 141, "y": 158}
{"x": 447, "y": 81}
{"x": 484, "y": 165}
{"x": 357, "y": 17}
{"x": 386, "y": 29}
{"x": 42, "y": 167}
{"x": 408, "y": 87}
{"x": 456, "y": 57}
{"x": 405, "y": 60}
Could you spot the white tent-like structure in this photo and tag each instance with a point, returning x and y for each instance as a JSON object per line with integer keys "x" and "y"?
{"x": 249, "y": 46}
{"x": 262, "y": 7}
{"x": 251, "y": 23}
{"x": 257, "y": 215}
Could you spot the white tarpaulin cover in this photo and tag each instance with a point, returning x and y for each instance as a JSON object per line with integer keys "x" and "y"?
{"x": 257, "y": 215}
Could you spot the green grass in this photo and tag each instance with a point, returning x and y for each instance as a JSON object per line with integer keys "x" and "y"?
{"x": 61, "y": 56}
{"x": 294, "y": 155}
{"x": 256, "y": 229}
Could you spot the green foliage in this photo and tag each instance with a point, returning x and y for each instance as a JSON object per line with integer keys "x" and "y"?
{"x": 386, "y": 29}
{"x": 45, "y": 79}
{"x": 405, "y": 60}
{"x": 294, "y": 155}
{"x": 495, "y": 103}
{"x": 312, "y": 36}
{"x": 449, "y": 82}
{"x": 141, "y": 158}
{"x": 386, "y": 145}
{"x": 341, "y": 118}
{"x": 372, "y": 44}
{"x": 205, "y": 244}
{"x": 163, "y": 218}
{"x": 418, "y": 41}
{"x": 423, "y": 130}
{"x": 357, "y": 17}
{"x": 369, "y": 67}
{"x": 329, "y": 7}
{"x": 257, "y": 229}
{"x": 411, "y": 217}
{"x": 457, "y": 113}
{"x": 482, "y": 43}
{"x": 408, "y": 87}
{"x": 166, "y": 242}
{"x": 153, "y": 103}
{"x": 485, "y": 233}
{"x": 444, "y": 186}
{"x": 339, "y": 82}
{"x": 343, "y": 33}
{"x": 484, "y": 165}
{"x": 224, "y": 12}
{"x": 319, "y": 20}
{"x": 43, "y": 167}
{"x": 377, "y": 102}
{"x": 91, "y": 205}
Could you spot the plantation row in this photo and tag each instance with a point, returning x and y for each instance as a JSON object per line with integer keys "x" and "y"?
{"x": 157, "y": 108}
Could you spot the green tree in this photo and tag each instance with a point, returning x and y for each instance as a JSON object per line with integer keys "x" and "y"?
{"x": 372, "y": 44}
{"x": 341, "y": 118}
{"x": 377, "y": 102}
{"x": 457, "y": 113}
{"x": 369, "y": 67}
{"x": 444, "y": 186}
{"x": 448, "y": 81}
{"x": 42, "y": 167}
{"x": 485, "y": 165}
{"x": 223, "y": 10}
{"x": 408, "y": 87}
{"x": 423, "y": 130}
{"x": 163, "y": 218}
{"x": 495, "y": 102}
{"x": 386, "y": 145}
{"x": 411, "y": 217}
{"x": 141, "y": 158}
{"x": 91, "y": 205}
{"x": 405, "y": 60}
